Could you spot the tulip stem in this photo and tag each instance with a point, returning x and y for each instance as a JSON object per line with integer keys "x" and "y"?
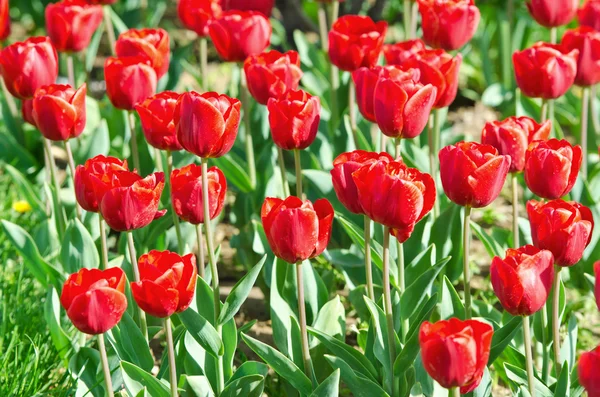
{"x": 158, "y": 160}
{"x": 368, "y": 264}
{"x": 407, "y": 14}
{"x": 103, "y": 242}
{"x": 585, "y": 105}
{"x": 398, "y": 152}
{"x": 515, "y": 208}
{"x": 595, "y": 115}
{"x": 199, "y": 239}
{"x": 387, "y": 298}
{"x": 136, "y": 276}
{"x": 10, "y": 101}
{"x": 334, "y": 11}
{"x": 71, "y": 162}
{"x": 545, "y": 346}
{"x": 415, "y": 19}
{"x": 105, "y": 366}
{"x": 284, "y": 182}
{"x": 352, "y": 111}
{"x": 204, "y": 63}
{"x": 54, "y": 177}
{"x": 298, "y": 173}
{"x": 528, "y": 355}
{"x": 180, "y": 243}
{"x": 323, "y": 27}
{"x": 402, "y": 286}
{"x": 246, "y": 103}
{"x": 71, "y": 71}
{"x": 110, "y": 30}
{"x": 302, "y": 314}
{"x": 466, "y": 269}
{"x": 213, "y": 269}
{"x": 133, "y": 140}
{"x": 454, "y": 392}
{"x": 544, "y": 111}
{"x": 171, "y": 352}
{"x": 434, "y": 144}
{"x": 553, "y": 35}
{"x": 556, "y": 321}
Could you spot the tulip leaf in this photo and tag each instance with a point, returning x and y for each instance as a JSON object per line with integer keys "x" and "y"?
{"x": 280, "y": 364}
{"x": 199, "y": 385}
{"x": 357, "y": 383}
{"x": 503, "y": 336}
{"x": 11, "y": 151}
{"x": 418, "y": 291}
{"x": 492, "y": 247}
{"x": 240, "y": 292}
{"x": 136, "y": 379}
{"x": 235, "y": 172}
{"x": 330, "y": 386}
{"x": 203, "y": 332}
{"x": 568, "y": 349}
{"x": 129, "y": 343}
{"x": 485, "y": 386}
{"x": 380, "y": 347}
{"x": 356, "y": 235}
{"x": 60, "y": 339}
{"x": 250, "y": 368}
{"x": 78, "y": 249}
{"x": 451, "y": 305}
{"x": 561, "y": 388}
{"x": 25, "y": 188}
{"x": 331, "y": 319}
{"x": 247, "y": 386}
{"x": 519, "y": 377}
{"x": 446, "y": 234}
{"x": 86, "y": 367}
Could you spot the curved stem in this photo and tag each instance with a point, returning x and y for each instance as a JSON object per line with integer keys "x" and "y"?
{"x": 387, "y": 299}
{"x": 204, "y": 63}
{"x": 515, "y": 208}
{"x": 302, "y": 314}
{"x": 199, "y": 239}
{"x": 54, "y": 177}
{"x": 466, "y": 269}
{"x": 284, "y": 182}
{"x": 110, "y": 30}
{"x": 180, "y": 243}
{"x": 103, "y": 242}
{"x": 71, "y": 71}
{"x": 105, "y": 366}
{"x": 298, "y": 164}
{"x": 246, "y": 104}
{"x": 556, "y": 321}
{"x": 368, "y": 264}
{"x": 71, "y": 162}
{"x": 136, "y": 276}
{"x": 528, "y": 355}
{"x": 133, "y": 140}
{"x": 171, "y": 353}
{"x": 585, "y": 104}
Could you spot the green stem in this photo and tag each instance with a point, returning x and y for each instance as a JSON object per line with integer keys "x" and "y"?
{"x": 246, "y": 104}
{"x": 133, "y": 140}
{"x": 71, "y": 162}
{"x": 352, "y": 111}
{"x": 556, "y": 321}
{"x": 199, "y": 239}
{"x": 368, "y": 264}
{"x": 387, "y": 299}
{"x": 553, "y": 35}
{"x": 595, "y": 115}
{"x": 158, "y": 160}
{"x": 407, "y": 15}
{"x": 544, "y": 111}
{"x": 110, "y": 30}
{"x": 105, "y": 366}
{"x": 334, "y": 12}
{"x": 71, "y": 71}
{"x": 136, "y": 276}
{"x": 171, "y": 352}
{"x": 415, "y": 20}
{"x": 303, "y": 333}
{"x": 435, "y": 141}
{"x": 466, "y": 268}
{"x": 53, "y": 175}
{"x": 323, "y": 27}
{"x": 545, "y": 346}
{"x": 298, "y": 164}
{"x": 103, "y": 242}
{"x": 402, "y": 286}
{"x": 284, "y": 182}
{"x": 585, "y": 104}
{"x": 528, "y": 355}
{"x": 454, "y": 392}
{"x": 515, "y": 208}
{"x": 204, "y": 63}
{"x": 180, "y": 243}
{"x": 398, "y": 148}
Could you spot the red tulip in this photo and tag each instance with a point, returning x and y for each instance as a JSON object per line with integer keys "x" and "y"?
{"x": 294, "y": 119}
{"x": 94, "y": 299}
{"x": 448, "y": 24}
{"x": 589, "y": 14}
{"x": 59, "y": 111}
{"x": 152, "y": 44}
{"x": 455, "y": 353}
{"x": 356, "y": 41}
{"x": 4, "y": 20}
{"x": 472, "y": 174}
{"x": 239, "y": 34}
{"x": 196, "y": 15}
{"x": 186, "y": 193}
{"x": 156, "y": 115}
{"x": 129, "y": 81}
{"x": 394, "y": 195}
{"x": 272, "y": 74}
{"x": 72, "y": 23}
{"x": 134, "y": 204}
{"x": 551, "y": 167}
{"x": 522, "y": 281}
{"x": 552, "y": 13}
{"x": 28, "y": 65}
{"x": 597, "y": 284}
{"x": 263, "y": 6}
{"x": 297, "y": 230}
{"x": 439, "y": 69}
{"x": 207, "y": 124}
{"x": 402, "y": 106}
{"x": 167, "y": 283}
{"x": 102, "y": 2}
{"x": 513, "y": 135}
{"x": 545, "y": 70}
{"x": 587, "y": 371}
{"x": 344, "y": 166}
{"x": 587, "y": 41}
{"x": 397, "y": 54}
{"x": 27, "y": 111}
{"x": 564, "y": 228}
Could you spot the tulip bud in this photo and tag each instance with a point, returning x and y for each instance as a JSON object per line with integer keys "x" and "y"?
{"x": 4, "y": 20}
{"x": 72, "y": 23}
{"x": 294, "y": 119}
{"x": 272, "y": 74}
{"x": 207, "y": 124}
{"x": 265, "y": 7}
{"x": 589, "y": 14}
{"x": 397, "y": 54}
{"x": 151, "y": 44}
{"x": 552, "y": 13}
{"x": 448, "y": 24}
{"x": 59, "y": 111}
{"x": 167, "y": 283}
{"x": 239, "y": 34}
{"x": 95, "y": 299}
{"x": 587, "y": 41}
{"x": 156, "y": 115}
{"x": 196, "y": 15}
{"x": 295, "y": 229}
{"x": 129, "y": 81}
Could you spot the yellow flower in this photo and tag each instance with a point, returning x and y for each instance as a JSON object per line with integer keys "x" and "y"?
{"x": 21, "y": 206}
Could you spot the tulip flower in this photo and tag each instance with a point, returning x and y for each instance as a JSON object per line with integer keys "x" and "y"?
{"x": 156, "y": 115}
{"x": 472, "y": 174}
{"x": 239, "y": 34}
{"x": 587, "y": 41}
{"x": 597, "y": 284}
{"x": 294, "y": 119}
{"x": 589, "y": 14}
{"x": 297, "y": 230}
{"x": 356, "y": 41}
{"x": 455, "y": 353}
{"x": 186, "y": 193}
{"x": 27, "y": 111}
{"x": 587, "y": 370}
{"x": 28, "y": 65}
{"x": 133, "y": 204}
{"x": 4, "y": 20}
{"x": 522, "y": 281}
{"x": 551, "y": 167}
{"x": 448, "y": 24}
{"x": 59, "y": 111}
{"x": 129, "y": 81}
{"x": 102, "y": 2}
{"x": 72, "y": 23}
{"x": 545, "y": 71}
{"x": 265, "y": 7}
{"x": 167, "y": 283}
{"x": 207, "y": 124}
{"x": 196, "y": 15}
{"x": 397, "y": 54}
{"x": 564, "y": 228}
{"x": 272, "y": 74}
{"x": 95, "y": 299}
{"x": 512, "y": 137}
{"x": 151, "y": 44}
{"x": 552, "y": 13}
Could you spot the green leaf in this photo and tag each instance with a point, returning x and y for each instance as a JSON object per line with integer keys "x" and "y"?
{"x": 85, "y": 366}
{"x": 492, "y": 247}
{"x": 250, "y": 368}
{"x": 60, "y": 339}
{"x": 247, "y": 386}
{"x": 136, "y": 379}
{"x": 198, "y": 385}
{"x": 235, "y": 172}
{"x": 331, "y": 319}
{"x": 78, "y": 249}
{"x": 240, "y": 292}
{"x": 381, "y": 348}
{"x": 92, "y": 49}
{"x": 25, "y": 188}
{"x": 451, "y": 305}
{"x": 519, "y": 377}
{"x": 280, "y": 364}
{"x": 562, "y": 385}
{"x": 418, "y": 291}
{"x": 358, "y": 384}
{"x": 129, "y": 343}
{"x": 329, "y": 387}
{"x": 357, "y": 237}
{"x": 203, "y": 332}
{"x": 504, "y": 336}
{"x": 568, "y": 349}
{"x": 12, "y": 152}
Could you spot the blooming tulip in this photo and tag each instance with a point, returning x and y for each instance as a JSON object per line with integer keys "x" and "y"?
{"x": 95, "y": 299}
{"x": 207, "y": 124}
{"x": 186, "y": 193}
{"x": 448, "y": 24}
{"x": 564, "y": 228}
{"x": 597, "y": 283}
{"x": 513, "y": 135}
{"x": 587, "y": 371}
{"x": 272, "y": 74}
{"x": 472, "y": 173}
{"x": 455, "y": 353}
{"x": 294, "y": 119}
{"x": 102, "y": 2}
{"x": 4, "y": 19}
{"x": 28, "y": 65}
{"x": 72, "y": 23}
{"x": 522, "y": 281}
{"x": 356, "y": 41}
{"x": 295, "y": 229}
{"x": 133, "y": 204}
{"x": 263, "y": 6}
{"x": 152, "y": 44}
{"x": 129, "y": 81}
{"x": 589, "y": 14}
{"x": 156, "y": 115}
{"x": 196, "y": 15}
{"x": 552, "y": 13}
{"x": 239, "y": 34}
{"x": 167, "y": 283}
{"x": 587, "y": 41}
{"x": 545, "y": 70}
{"x": 59, "y": 111}
{"x": 397, "y": 54}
